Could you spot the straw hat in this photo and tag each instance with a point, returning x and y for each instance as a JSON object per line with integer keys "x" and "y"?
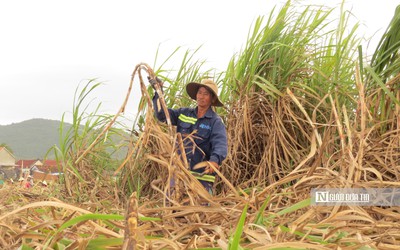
{"x": 21, "y": 179}
{"x": 193, "y": 87}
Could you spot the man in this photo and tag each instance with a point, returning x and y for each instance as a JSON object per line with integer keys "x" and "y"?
{"x": 209, "y": 133}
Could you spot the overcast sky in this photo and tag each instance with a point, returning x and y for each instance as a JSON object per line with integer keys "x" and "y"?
{"x": 49, "y": 47}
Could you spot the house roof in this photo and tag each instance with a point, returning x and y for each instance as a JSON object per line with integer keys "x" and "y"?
{"x": 50, "y": 163}
{"x": 49, "y": 166}
{"x": 28, "y": 163}
{"x": 5, "y": 149}
{"x": 45, "y": 166}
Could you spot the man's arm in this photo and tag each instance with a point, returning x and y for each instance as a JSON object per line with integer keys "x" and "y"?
{"x": 219, "y": 145}
{"x": 158, "y": 111}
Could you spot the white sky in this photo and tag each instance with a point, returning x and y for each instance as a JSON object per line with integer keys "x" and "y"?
{"x": 49, "y": 47}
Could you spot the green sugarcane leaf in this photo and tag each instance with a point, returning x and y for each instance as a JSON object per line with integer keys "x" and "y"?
{"x": 259, "y": 217}
{"x": 104, "y": 242}
{"x": 378, "y": 80}
{"x": 234, "y": 244}
{"x": 294, "y": 207}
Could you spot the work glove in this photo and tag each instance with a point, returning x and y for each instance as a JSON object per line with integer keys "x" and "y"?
{"x": 154, "y": 81}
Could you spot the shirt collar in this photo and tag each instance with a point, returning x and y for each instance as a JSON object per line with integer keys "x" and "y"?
{"x": 209, "y": 113}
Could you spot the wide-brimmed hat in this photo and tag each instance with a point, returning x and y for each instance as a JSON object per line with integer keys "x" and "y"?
{"x": 193, "y": 87}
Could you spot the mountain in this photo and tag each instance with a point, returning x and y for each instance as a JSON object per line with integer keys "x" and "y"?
{"x": 31, "y": 139}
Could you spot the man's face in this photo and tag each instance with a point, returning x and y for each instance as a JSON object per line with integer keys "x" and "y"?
{"x": 204, "y": 97}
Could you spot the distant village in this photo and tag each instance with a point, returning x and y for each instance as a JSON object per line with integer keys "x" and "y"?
{"x": 27, "y": 172}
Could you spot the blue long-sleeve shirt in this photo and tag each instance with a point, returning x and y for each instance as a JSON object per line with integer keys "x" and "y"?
{"x": 210, "y": 138}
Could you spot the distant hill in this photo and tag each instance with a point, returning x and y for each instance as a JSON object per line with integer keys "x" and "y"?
{"x": 31, "y": 139}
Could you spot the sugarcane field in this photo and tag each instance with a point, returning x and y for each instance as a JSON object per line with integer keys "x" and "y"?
{"x": 312, "y": 158}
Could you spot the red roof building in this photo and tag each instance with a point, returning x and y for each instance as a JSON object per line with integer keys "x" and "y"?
{"x": 51, "y": 166}
{"x": 27, "y": 164}
{"x": 49, "y": 171}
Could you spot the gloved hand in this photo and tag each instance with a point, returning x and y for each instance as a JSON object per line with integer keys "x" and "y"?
{"x": 155, "y": 81}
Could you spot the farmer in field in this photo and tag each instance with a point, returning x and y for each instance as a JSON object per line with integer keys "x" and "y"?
{"x": 209, "y": 131}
